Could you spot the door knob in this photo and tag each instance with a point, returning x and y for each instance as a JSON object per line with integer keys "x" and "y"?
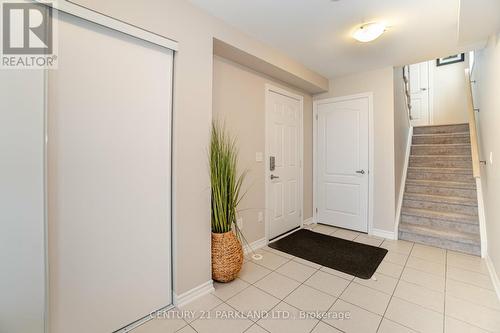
{"x": 274, "y": 177}
{"x": 361, "y": 172}
{"x": 423, "y": 89}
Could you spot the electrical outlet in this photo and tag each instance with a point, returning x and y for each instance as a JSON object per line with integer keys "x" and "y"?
{"x": 239, "y": 222}
{"x": 260, "y": 217}
{"x": 259, "y": 157}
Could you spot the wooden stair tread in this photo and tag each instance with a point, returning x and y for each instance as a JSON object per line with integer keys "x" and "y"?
{"x": 441, "y": 183}
{"x": 442, "y": 199}
{"x": 440, "y": 170}
{"x": 452, "y": 134}
{"x": 448, "y": 234}
{"x": 439, "y": 215}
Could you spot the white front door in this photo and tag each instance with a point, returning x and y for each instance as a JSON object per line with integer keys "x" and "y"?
{"x": 419, "y": 94}
{"x": 284, "y": 203}
{"x": 342, "y": 162}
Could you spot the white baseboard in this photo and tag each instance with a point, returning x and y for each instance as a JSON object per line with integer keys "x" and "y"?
{"x": 191, "y": 295}
{"x": 403, "y": 183}
{"x": 259, "y": 243}
{"x": 493, "y": 275}
{"x": 482, "y": 218}
{"x": 383, "y": 233}
{"x": 308, "y": 221}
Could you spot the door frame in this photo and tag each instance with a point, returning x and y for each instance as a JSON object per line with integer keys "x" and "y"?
{"x": 431, "y": 92}
{"x": 267, "y": 90}
{"x": 318, "y": 102}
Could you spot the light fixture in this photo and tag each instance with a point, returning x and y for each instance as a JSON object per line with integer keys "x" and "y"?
{"x": 369, "y": 31}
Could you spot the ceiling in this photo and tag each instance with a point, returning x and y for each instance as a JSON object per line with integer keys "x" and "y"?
{"x": 317, "y": 32}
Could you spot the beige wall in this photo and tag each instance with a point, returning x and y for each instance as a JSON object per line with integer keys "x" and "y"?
{"x": 380, "y": 82}
{"x": 401, "y": 130}
{"x": 194, "y": 30}
{"x": 239, "y": 101}
{"x": 449, "y": 102}
{"x": 488, "y": 63}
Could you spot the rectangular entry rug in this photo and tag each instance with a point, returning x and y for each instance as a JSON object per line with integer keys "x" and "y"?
{"x": 353, "y": 258}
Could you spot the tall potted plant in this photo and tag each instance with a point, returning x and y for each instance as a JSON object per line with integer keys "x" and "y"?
{"x": 227, "y": 253}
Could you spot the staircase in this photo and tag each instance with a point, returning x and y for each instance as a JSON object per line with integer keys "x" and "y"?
{"x": 440, "y": 200}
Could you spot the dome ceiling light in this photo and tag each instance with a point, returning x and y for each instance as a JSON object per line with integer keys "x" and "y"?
{"x": 369, "y": 32}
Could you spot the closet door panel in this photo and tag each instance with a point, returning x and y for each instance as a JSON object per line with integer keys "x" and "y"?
{"x": 109, "y": 178}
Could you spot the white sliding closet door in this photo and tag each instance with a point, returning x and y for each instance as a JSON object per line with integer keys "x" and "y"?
{"x": 109, "y": 186}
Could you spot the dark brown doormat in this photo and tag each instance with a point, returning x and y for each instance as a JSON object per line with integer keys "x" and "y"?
{"x": 346, "y": 256}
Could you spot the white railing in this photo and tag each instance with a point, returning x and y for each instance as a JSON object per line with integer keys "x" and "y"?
{"x": 472, "y": 127}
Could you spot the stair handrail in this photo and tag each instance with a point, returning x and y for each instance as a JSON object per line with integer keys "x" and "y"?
{"x": 476, "y": 172}
{"x": 406, "y": 83}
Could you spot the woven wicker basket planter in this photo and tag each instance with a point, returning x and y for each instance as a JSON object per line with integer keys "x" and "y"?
{"x": 227, "y": 256}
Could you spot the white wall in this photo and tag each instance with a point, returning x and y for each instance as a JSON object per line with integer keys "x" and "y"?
{"x": 239, "y": 101}
{"x": 22, "y": 227}
{"x": 488, "y": 62}
{"x": 401, "y": 130}
{"x": 449, "y": 102}
{"x": 381, "y": 83}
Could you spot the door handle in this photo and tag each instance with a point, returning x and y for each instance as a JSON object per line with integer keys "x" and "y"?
{"x": 423, "y": 89}
{"x": 361, "y": 172}
{"x": 274, "y": 177}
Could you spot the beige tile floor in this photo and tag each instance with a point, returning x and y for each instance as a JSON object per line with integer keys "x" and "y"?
{"x": 416, "y": 289}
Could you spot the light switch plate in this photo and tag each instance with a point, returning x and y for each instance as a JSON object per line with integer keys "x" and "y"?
{"x": 260, "y": 217}
{"x": 491, "y": 157}
{"x": 259, "y": 157}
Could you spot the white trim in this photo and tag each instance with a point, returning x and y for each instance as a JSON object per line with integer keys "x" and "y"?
{"x": 192, "y": 294}
{"x": 286, "y": 234}
{"x": 258, "y": 244}
{"x": 482, "y": 218}
{"x": 371, "y": 150}
{"x": 430, "y": 77}
{"x": 383, "y": 233}
{"x": 112, "y": 23}
{"x": 144, "y": 320}
{"x": 495, "y": 280}
{"x": 308, "y": 221}
{"x": 403, "y": 181}
{"x": 271, "y": 88}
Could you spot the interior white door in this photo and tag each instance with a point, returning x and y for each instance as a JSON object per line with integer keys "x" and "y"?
{"x": 284, "y": 120}
{"x": 419, "y": 94}
{"x": 109, "y": 193}
{"x": 343, "y": 163}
